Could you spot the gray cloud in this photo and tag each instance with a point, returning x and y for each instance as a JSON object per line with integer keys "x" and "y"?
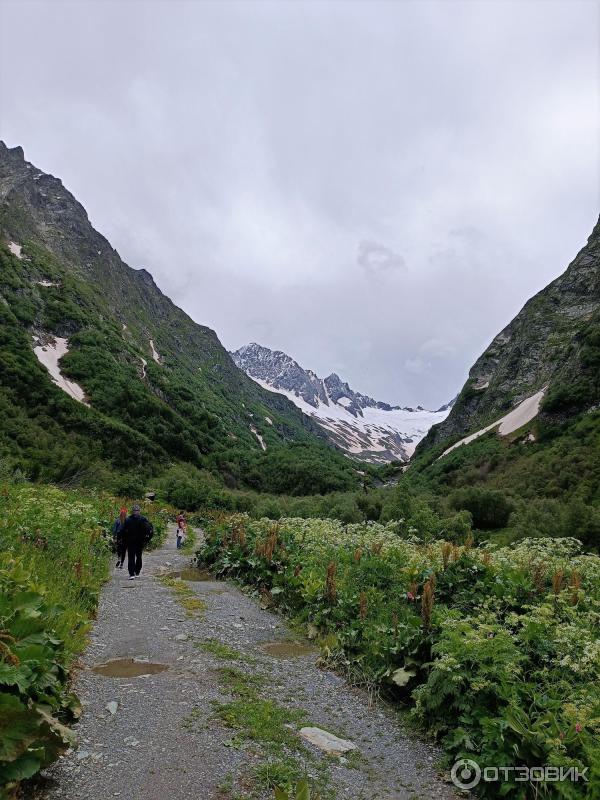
{"x": 376, "y": 258}
{"x": 240, "y": 151}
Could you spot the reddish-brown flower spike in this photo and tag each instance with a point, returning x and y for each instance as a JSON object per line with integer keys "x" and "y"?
{"x": 363, "y": 606}
{"x": 330, "y": 583}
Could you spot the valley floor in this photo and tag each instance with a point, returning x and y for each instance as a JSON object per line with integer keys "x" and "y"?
{"x": 166, "y": 734}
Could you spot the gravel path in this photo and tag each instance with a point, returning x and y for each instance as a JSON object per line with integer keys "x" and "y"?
{"x": 164, "y": 740}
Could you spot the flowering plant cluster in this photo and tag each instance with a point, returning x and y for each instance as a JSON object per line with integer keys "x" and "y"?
{"x": 495, "y": 650}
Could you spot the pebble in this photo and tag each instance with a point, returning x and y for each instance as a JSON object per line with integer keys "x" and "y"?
{"x": 131, "y": 741}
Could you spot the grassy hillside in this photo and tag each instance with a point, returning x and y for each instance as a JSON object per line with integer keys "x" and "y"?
{"x": 187, "y": 403}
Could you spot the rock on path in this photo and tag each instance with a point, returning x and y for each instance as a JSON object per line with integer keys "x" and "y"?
{"x": 155, "y": 736}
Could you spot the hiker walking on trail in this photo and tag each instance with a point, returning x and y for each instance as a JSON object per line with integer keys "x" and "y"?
{"x": 181, "y": 529}
{"x": 137, "y": 531}
{"x": 117, "y": 532}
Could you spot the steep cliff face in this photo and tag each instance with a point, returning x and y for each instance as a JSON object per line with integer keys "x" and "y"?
{"x": 547, "y": 346}
{"x": 149, "y": 379}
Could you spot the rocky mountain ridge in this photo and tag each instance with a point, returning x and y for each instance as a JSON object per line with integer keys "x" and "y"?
{"x": 366, "y": 428}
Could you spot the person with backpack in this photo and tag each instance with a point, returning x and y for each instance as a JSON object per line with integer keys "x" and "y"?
{"x": 137, "y": 532}
{"x": 117, "y": 532}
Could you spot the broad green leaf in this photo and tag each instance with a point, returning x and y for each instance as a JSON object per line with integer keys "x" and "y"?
{"x": 303, "y": 790}
{"x": 19, "y": 727}
{"x": 26, "y": 600}
{"x": 66, "y": 735}
{"x": 23, "y": 767}
{"x": 402, "y": 676}
{"x": 14, "y": 676}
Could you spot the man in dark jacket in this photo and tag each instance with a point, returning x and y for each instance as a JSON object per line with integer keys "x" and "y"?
{"x": 136, "y": 532}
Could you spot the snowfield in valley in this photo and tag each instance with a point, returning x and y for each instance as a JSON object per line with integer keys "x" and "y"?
{"x": 365, "y": 428}
{"x": 377, "y": 435}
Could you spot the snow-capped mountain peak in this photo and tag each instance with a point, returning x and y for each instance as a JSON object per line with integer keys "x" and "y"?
{"x": 366, "y": 428}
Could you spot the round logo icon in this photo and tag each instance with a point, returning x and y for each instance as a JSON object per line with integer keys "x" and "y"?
{"x": 465, "y": 773}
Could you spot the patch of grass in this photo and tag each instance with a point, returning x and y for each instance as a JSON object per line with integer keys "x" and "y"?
{"x": 271, "y": 727}
{"x": 226, "y": 790}
{"x": 261, "y": 720}
{"x": 238, "y": 682}
{"x": 282, "y": 773}
{"x": 194, "y": 606}
{"x": 219, "y": 649}
{"x": 191, "y": 718}
{"x": 354, "y": 759}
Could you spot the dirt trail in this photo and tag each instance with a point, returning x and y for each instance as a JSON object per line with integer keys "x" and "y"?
{"x": 155, "y": 735}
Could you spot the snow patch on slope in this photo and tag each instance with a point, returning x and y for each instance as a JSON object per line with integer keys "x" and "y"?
{"x": 259, "y": 437}
{"x": 15, "y": 249}
{"x": 155, "y": 353}
{"x": 515, "y": 419}
{"x": 49, "y": 355}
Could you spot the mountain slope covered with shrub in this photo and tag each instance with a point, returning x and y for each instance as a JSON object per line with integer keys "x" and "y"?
{"x": 158, "y": 388}
{"x": 543, "y": 477}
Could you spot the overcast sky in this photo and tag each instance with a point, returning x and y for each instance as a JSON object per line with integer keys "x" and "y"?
{"x": 374, "y": 188}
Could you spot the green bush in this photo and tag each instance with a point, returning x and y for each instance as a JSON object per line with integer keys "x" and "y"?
{"x": 489, "y": 509}
{"x": 129, "y": 485}
{"x": 370, "y": 506}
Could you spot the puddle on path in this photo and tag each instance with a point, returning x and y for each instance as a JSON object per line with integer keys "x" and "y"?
{"x": 191, "y": 574}
{"x": 287, "y": 649}
{"x": 128, "y": 668}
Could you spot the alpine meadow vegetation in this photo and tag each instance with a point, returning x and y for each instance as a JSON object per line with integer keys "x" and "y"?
{"x": 494, "y": 650}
